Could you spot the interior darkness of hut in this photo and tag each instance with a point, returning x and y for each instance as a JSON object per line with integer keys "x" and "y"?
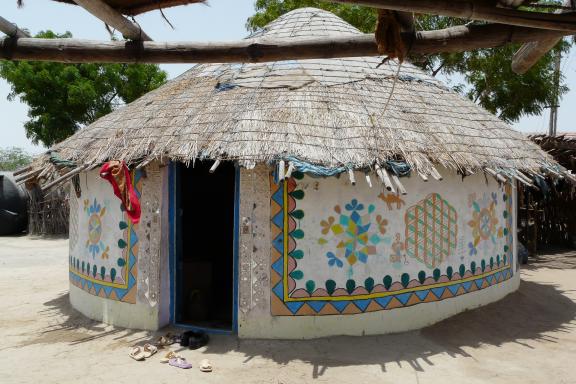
{"x": 206, "y": 261}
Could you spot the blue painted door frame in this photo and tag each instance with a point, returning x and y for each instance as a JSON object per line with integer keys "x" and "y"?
{"x": 175, "y": 248}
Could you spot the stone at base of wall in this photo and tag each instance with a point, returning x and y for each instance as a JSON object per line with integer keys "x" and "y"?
{"x": 263, "y": 325}
{"x": 135, "y": 316}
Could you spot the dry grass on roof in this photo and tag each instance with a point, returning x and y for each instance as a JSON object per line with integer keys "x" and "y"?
{"x": 331, "y": 112}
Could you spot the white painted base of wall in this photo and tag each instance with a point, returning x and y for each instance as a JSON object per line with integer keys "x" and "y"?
{"x": 136, "y": 316}
{"x": 264, "y": 326}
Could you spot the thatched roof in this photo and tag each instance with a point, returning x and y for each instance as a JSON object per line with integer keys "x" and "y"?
{"x": 332, "y": 112}
{"x": 561, "y": 147}
{"x": 135, "y": 7}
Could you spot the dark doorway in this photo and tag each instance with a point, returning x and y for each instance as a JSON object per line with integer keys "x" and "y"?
{"x": 205, "y": 253}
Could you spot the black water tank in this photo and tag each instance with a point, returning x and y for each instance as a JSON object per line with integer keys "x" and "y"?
{"x": 13, "y": 206}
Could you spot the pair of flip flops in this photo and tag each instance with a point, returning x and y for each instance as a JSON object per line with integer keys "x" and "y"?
{"x": 140, "y": 353}
{"x": 164, "y": 341}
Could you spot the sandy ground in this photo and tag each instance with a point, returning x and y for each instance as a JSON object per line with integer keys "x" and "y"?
{"x": 529, "y": 337}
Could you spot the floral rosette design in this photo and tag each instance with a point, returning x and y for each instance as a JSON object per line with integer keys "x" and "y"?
{"x": 352, "y": 227}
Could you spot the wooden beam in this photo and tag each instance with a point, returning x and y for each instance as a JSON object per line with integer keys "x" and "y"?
{"x": 11, "y": 29}
{"x": 475, "y": 10}
{"x": 529, "y": 53}
{"x": 454, "y": 39}
{"x": 114, "y": 19}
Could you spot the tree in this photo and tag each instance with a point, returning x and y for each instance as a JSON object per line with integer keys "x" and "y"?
{"x": 13, "y": 158}
{"x": 487, "y": 74}
{"x": 64, "y": 97}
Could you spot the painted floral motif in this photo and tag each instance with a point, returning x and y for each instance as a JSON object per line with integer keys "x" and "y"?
{"x": 351, "y": 227}
{"x": 484, "y": 221}
{"x": 95, "y": 212}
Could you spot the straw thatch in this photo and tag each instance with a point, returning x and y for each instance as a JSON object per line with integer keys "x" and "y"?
{"x": 135, "y": 7}
{"x": 352, "y": 112}
{"x": 561, "y": 147}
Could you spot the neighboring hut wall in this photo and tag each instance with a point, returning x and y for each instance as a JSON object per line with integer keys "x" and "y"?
{"x": 114, "y": 265}
{"x": 323, "y": 286}
{"x": 48, "y": 213}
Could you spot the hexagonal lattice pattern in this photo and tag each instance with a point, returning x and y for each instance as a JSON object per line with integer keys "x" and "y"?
{"x": 431, "y": 230}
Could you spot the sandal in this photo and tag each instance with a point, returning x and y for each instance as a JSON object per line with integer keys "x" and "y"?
{"x": 149, "y": 350}
{"x": 164, "y": 341}
{"x": 168, "y": 356}
{"x": 137, "y": 353}
{"x": 205, "y": 366}
{"x": 180, "y": 362}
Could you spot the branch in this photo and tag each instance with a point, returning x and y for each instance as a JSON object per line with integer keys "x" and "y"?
{"x": 475, "y": 10}
{"x": 113, "y": 18}
{"x": 11, "y": 29}
{"x": 454, "y": 39}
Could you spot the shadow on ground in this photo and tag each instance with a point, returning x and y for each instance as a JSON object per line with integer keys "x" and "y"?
{"x": 531, "y": 315}
{"x": 560, "y": 259}
{"x": 72, "y": 327}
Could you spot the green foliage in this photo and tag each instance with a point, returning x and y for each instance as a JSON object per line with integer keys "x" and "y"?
{"x": 487, "y": 74}
{"x": 436, "y": 274}
{"x": 64, "y": 97}
{"x": 449, "y": 272}
{"x": 13, "y": 158}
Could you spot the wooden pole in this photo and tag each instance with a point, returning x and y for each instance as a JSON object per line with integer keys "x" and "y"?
{"x": 63, "y": 178}
{"x": 529, "y": 53}
{"x": 11, "y": 29}
{"x": 114, "y": 19}
{"x": 21, "y": 170}
{"x": 455, "y": 39}
{"x": 475, "y": 10}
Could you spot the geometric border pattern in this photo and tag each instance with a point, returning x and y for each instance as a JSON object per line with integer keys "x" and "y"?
{"x": 120, "y": 292}
{"x": 398, "y": 294}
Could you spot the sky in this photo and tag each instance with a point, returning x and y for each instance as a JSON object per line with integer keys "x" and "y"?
{"x": 220, "y": 20}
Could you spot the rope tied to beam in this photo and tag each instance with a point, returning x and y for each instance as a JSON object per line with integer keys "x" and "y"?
{"x": 389, "y": 35}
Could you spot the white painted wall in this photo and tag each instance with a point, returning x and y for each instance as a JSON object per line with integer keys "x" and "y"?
{"x": 144, "y": 313}
{"x": 255, "y": 318}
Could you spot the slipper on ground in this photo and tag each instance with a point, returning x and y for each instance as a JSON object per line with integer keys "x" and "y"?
{"x": 180, "y": 362}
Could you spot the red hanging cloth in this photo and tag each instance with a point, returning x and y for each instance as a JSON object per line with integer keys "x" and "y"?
{"x": 118, "y": 175}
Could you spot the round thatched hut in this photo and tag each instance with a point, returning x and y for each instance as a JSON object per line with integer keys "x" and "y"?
{"x": 298, "y": 199}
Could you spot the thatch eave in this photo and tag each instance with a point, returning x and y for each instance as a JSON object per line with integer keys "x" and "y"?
{"x": 350, "y": 112}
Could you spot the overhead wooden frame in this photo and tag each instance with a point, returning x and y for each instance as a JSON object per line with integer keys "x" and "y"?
{"x": 454, "y": 39}
{"x": 530, "y": 53}
{"x": 114, "y": 19}
{"x": 476, "y": 10}
{"x": 11, "y": 29}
